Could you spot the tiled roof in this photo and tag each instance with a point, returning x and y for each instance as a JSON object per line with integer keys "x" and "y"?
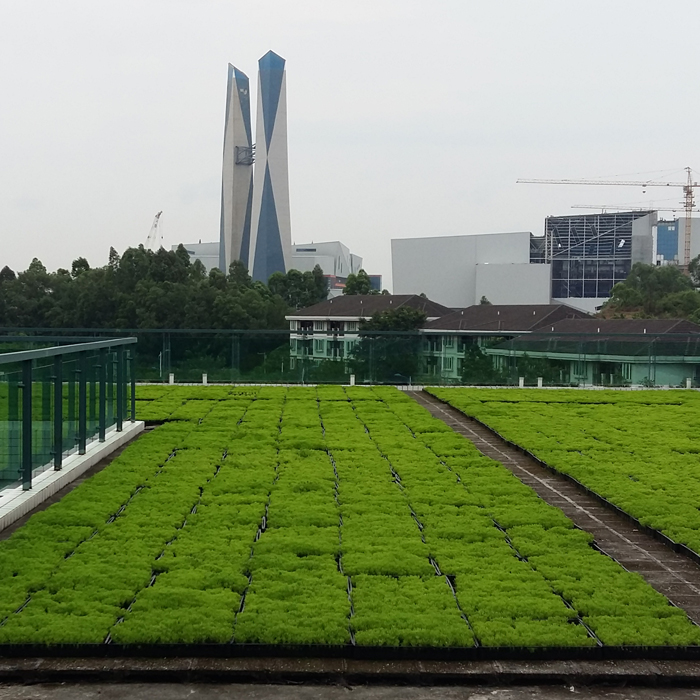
{"x": 615, "y": 326}
{"x": 613, "y": 337}
{"x": 512, "y": 318}
{"x": 365, "y": 305}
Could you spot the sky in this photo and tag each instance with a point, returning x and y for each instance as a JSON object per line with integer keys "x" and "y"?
{"x": 406, "y": 118}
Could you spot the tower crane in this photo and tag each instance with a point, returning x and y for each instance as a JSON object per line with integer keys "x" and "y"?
{"x": 155, "y": 237}
{"x": 619, "y": 207}
{"x": 688, "y": 186}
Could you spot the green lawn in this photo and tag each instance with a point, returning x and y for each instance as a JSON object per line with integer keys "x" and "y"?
{"x": 314, "y": 516}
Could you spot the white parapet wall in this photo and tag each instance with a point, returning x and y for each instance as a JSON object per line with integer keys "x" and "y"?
{"x": 16, "y": 502}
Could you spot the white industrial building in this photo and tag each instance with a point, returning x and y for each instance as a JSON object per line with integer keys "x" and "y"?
{"x": 333, "y": 257}
{"x": 576, "y": 262}
{"x": 457, "y": 271}
{"x": 206, "y": 253}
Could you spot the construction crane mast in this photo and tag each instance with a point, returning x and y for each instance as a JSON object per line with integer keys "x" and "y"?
{"x": 155, "y": 237}
{"x": 688, "y": 187}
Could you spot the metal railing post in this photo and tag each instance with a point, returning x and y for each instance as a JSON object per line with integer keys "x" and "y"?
{"x": 132, "y": 367}
{"x": 103, "y": 394}
{"x": 110, "y": 382}
{"x": 57, "y": 412}
{"x": 82, "y": 404}
{"x": 71, "y": 403}
{"x": 27, "y": 425}
{"x": 94, "y": 406}
{"x": 120, "y": 389}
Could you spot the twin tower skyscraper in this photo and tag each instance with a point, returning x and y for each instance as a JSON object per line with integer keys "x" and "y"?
{"x": 255, "y": 222}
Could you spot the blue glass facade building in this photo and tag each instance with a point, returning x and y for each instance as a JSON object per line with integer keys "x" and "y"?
{"x": 591, "y": 253}
{"x": 270, "y": 249}
{"x": 667, "y": 239}
{"x": 255, "y": 222}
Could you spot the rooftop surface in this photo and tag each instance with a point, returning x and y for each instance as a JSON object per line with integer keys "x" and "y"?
{"x": 506, "y": 317}
{"x": 632, "y": 326}
{"x": 365, "y": 305}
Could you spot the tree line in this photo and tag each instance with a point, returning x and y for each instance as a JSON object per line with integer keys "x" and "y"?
{"x": 144, "y": 289}
{"x": 652, "y": 291}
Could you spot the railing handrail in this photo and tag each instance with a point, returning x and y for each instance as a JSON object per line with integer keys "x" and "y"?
{"x": 536, "y": 334}
{"x": 40, "y": 353}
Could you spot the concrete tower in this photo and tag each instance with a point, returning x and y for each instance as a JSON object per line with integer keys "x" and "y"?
{"x": 237, "y": 175}
{"x": 271, "y": 238}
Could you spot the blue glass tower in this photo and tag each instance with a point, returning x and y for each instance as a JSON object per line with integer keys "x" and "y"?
{"x": 270, "y": 240}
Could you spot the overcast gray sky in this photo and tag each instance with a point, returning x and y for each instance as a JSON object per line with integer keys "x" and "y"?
{"x": 406, "y": 118}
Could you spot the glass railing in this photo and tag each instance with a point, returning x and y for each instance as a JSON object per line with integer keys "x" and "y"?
{"x": 401, "y": 358}
{"x": 55, "y": 400}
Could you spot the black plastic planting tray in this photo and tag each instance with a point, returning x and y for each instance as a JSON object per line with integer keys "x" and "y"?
{"x": 656, "y": 534}
{"x": 609, "y": 653}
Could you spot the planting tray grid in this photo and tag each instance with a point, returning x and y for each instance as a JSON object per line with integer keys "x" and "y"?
{"x": 671, "y": 568}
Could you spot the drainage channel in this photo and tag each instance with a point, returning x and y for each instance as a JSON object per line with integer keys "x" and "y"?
{"x": 673, "y": 575}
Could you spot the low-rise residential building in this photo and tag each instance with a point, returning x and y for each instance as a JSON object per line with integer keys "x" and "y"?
{"x": 615, "y": 352}
{"x": 497, "y": 343}
{"x": 448, "y": 338}
{"x": 329, "y": 330}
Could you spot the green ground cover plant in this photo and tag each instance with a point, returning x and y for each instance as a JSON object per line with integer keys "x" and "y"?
{"x": 638, "y": 449}
{"x": 311, "y": 515}
{"x": 525, "y": 550}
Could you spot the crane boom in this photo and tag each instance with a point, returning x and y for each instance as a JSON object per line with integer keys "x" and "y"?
{"x": 154, "y": 240}
{"x": 688, "y": 186}
{"x": 630, "y": 183}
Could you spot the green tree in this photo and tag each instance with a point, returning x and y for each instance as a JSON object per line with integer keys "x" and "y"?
{"x": 79, "y": 266}
{"x": 389, "y": 347}
{"x": 694, "y": 271}
{"x": 401, "y": 319}
{"x": 478, "y": 367}
{"x": 7, "y": 275}
{"x": 645, "y": 289}
{"x": 114, "y": 258}
{"x": 300, "y": 289}
{"x": 359, "y": 283}
{"x": 238, "y": 275}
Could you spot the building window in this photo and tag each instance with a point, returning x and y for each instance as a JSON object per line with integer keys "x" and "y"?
{"x": 466, "y": 342}
{"x": 352, "y": 326}
{"x": 304, "y": 347}
{"x": 447, "y": 363}
{"x": 293, "y": 345}
{"x": 319, "y": 325}
{"x": 319, "y": 346}
{"x": 627, "y": 371}
{"x": 335, "y": 348}
{"x": 335, "y": 327}
{"x": 449, "y": 341}
{"x": 432, "y": 366}
{"x": 306, "y": 326}
{"x": 293, "y": 325}
{"x": 292, "y": 362}
{"x": 433, "y": 343}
